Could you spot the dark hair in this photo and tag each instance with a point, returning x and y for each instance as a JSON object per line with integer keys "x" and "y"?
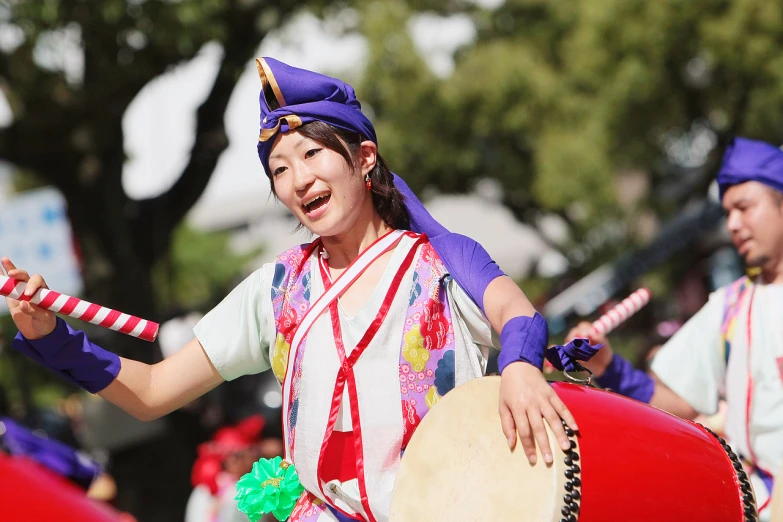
{"x": 386, "y": 199}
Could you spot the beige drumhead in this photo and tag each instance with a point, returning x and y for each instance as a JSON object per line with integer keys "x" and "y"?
{"x": 776, "y": 506}
{"x": 458, "y": 466}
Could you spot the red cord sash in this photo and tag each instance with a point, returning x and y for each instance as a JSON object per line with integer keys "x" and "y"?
{"x": 346, "y": 376}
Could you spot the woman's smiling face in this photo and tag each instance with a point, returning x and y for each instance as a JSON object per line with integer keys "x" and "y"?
{"x": 324, "y": 192}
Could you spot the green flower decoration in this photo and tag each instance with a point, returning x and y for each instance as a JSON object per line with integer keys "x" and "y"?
{"x": 272, "y": 486}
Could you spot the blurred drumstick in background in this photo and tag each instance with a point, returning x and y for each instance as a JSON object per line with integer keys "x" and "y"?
{"x": 622, "y": 311}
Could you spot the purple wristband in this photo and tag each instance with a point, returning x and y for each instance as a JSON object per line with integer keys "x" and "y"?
{"x": 565, "y": 358}
{"x": 621, "y": 377}
{"x": 523, "y": 339}
{"x": 467, "y": 261}
{"x": 70, "y": 354}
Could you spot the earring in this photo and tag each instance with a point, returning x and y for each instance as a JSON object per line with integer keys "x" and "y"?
{"x": 368, "y": 181}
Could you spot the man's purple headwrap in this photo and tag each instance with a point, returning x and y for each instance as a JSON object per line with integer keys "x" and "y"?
{"x": 751, "y": 160}
{"x": 305, "y": 96}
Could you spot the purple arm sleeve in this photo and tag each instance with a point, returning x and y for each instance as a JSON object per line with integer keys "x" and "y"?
{"x": 621, "y": 377}
{"x": 466, "y": 260}
{"x": 70, "y": 354}
{"x": 523, "y": 339}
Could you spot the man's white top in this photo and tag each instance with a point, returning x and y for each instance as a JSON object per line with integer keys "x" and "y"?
{"x": 693, "y": 365}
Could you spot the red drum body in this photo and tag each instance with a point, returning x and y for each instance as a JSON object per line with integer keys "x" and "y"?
{"x": 629, "y": 462}
{"x": 641, "y": 463}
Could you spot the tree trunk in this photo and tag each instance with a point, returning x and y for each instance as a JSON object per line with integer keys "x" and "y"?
{"x": 114, "y": 270}
{"x": 152, "y": 475}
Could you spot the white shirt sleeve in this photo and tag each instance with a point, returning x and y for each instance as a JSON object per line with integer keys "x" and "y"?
{"x": 692, "y": 363}
{"x": 237, "y": 333}
{"x": 467, "y": 311}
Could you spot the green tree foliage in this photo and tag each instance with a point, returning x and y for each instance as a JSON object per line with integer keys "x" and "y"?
{"x": 554, "y": 99}
{"x": 190, "y": 278}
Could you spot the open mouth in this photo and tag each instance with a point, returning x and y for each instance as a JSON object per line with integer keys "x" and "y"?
{"x": 316, "y": 203}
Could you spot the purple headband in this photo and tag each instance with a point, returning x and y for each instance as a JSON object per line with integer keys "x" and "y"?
{"x": 751, "y": 160}
{"x": 304, "y": 96}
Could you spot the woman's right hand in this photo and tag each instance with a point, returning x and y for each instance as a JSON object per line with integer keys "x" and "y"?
{"x": 32, "y": 321}
{"x": 600, "y": 361}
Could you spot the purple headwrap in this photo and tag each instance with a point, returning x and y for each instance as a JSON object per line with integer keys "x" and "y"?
{"x": 305, "y": 96}
{"x": 751, "y": 160}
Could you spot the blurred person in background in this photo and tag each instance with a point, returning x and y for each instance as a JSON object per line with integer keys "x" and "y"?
{"x": 733, "y": 346}
{"x": 433, "y": 318}
{"x": 221, "y": 462}
{"x": 36, "y": 446}
{"x": 17, "y": 440}
{"x": 64, "y": 459}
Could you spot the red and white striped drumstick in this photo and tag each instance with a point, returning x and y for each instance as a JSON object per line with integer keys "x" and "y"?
{"x": 80, "y": 309}
{"x": 622, "y": 311}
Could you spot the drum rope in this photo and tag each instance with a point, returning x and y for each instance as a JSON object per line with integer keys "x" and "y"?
{"x": 573, "y": 485}
{"x": 749, "y": 501}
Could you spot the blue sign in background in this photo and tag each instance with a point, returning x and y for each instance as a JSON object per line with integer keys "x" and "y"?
{"x": 36, "y": 235}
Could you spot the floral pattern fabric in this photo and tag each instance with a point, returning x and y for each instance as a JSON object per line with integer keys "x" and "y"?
{"x": 426, "y": 362}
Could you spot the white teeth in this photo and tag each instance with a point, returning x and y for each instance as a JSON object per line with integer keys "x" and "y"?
{"x": 308, "y": 203}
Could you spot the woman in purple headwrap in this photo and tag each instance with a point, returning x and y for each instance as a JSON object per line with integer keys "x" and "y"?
{"x": 366, "y": 328}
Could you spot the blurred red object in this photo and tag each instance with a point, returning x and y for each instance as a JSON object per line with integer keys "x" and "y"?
{"x": 205, "y": 472}
{"x": 31, "y": 492}
{"x": 226, "y": 441}
{"x": 233, "y": 438}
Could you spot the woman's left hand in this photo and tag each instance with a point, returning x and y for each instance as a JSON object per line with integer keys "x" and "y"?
{"x": 526, "y": 400}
